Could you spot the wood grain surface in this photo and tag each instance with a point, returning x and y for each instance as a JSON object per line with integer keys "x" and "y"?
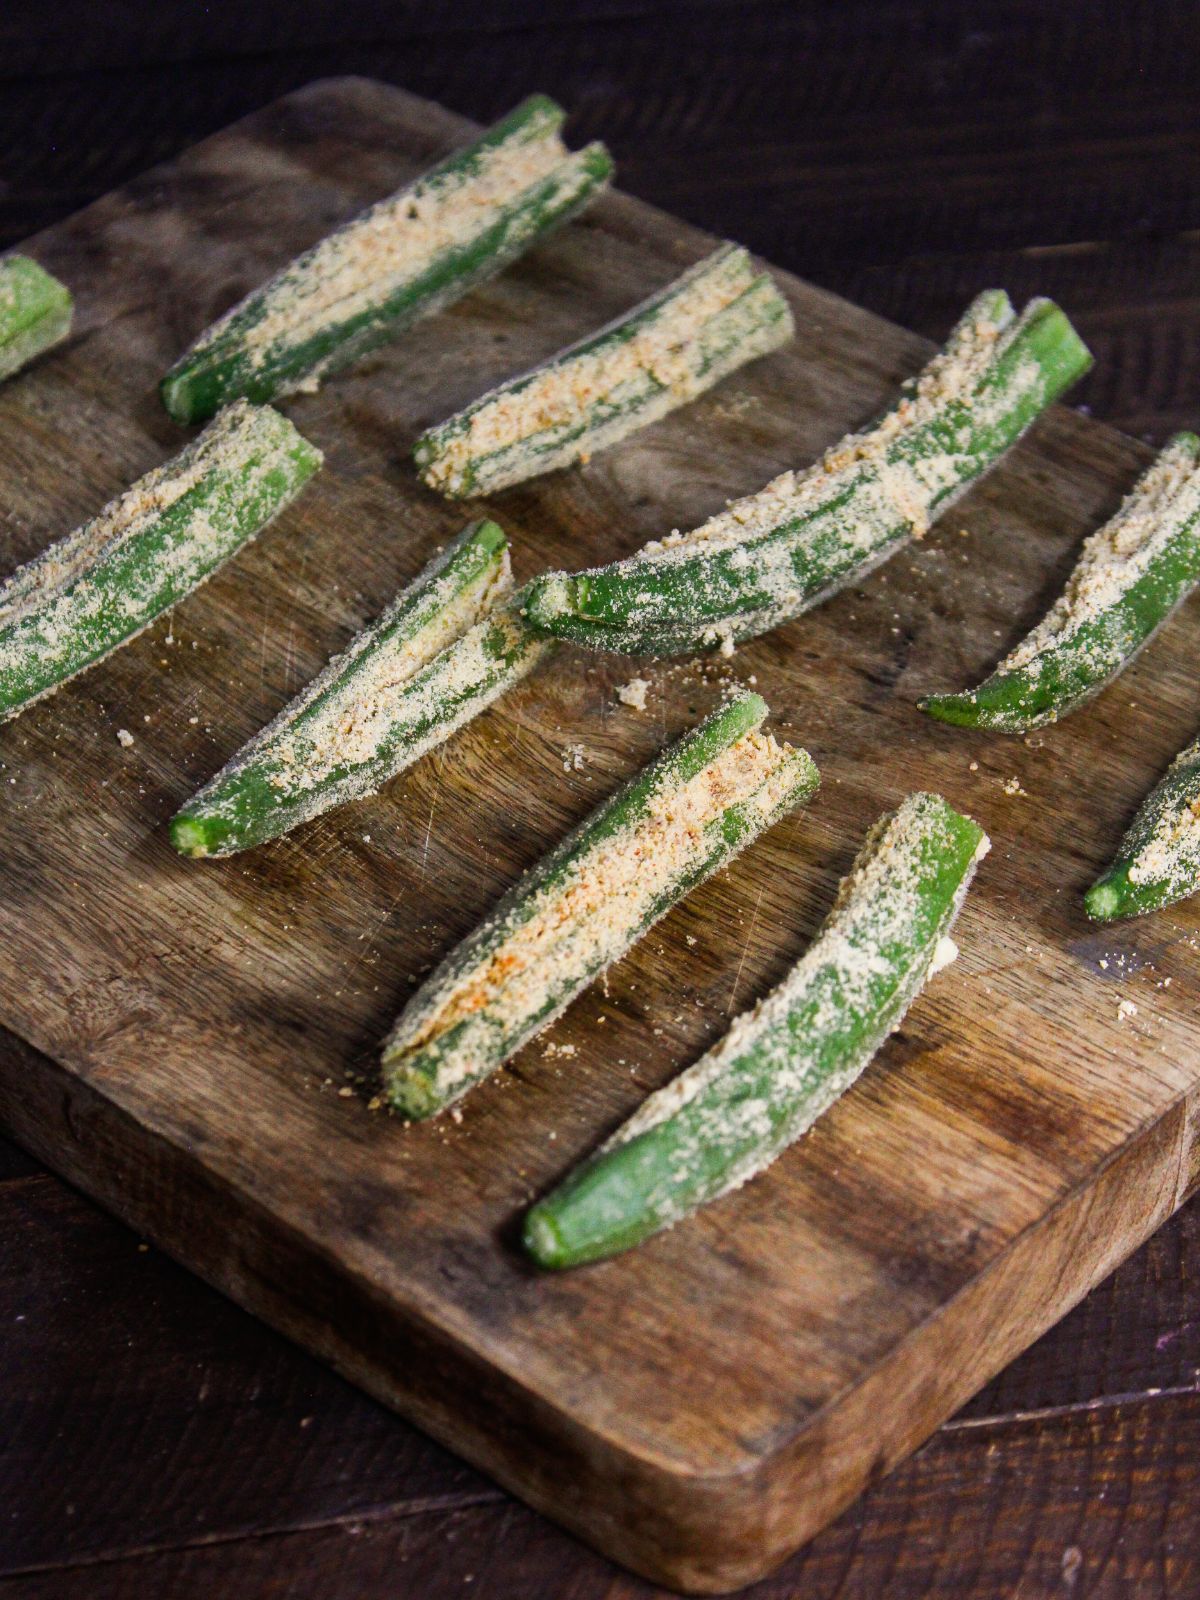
{"x": 1007, "y": 1149}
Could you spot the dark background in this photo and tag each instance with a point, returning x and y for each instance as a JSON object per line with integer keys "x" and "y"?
{"x": 156, "y": 1442}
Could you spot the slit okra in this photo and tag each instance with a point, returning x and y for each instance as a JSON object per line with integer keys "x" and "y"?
{"x": 659, "y": 356}
{"x": 681, "y": 819}
{"x": 150, "y": 547}
{"x": 35, "y": 312}
{"x": 1158, "y": 861}
{"x": 402, "y": 259}
{"x": 445, "y": 648}
{"x": 1130, "y": 576}
{"x": 783, "y": 1063}
{"x": 774, "y": 554}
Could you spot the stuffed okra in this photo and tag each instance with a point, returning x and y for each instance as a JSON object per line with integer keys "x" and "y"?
{"x": 101, "y": 585}
{"x": 404, "y": 258}
{"x": 1158, "y": 862}
{"x": 663, "y": 354}
{"x": 443, "y": 651}
{"x": 35, "y": 312}
{"x": 683, "y": 817}
{"x": 1131, "y": 575}
{"x": 776, "y": 553}
{"x": 786, "y": 1061}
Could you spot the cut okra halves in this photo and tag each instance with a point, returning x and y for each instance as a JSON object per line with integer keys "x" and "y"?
{"x": 1158, "y": 861}
{"x": 661, "y": 355}
{"x": 101, "y": 585}
{"x": 683, "y": 817}
{"x": 782, "y": 1064}
{"x": 35, "y": 312}
{"x": 445, "y": 648}
{"x": 1130, "y": 576}
{"x": 404, "y": 258}
{"x": 808, "y": 534}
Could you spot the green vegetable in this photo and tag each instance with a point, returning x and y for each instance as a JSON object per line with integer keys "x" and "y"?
{"x": 806, "y": 535}
{"x": 440, "y": 653}
{"x": 1158, "y": 862}
{"x": 661, "y": 355}
{"x": 683, "y": 817}
{"x": 404, "y": 258}
{"x": 1131, "y": 575}
{"x": 101, "y": 585}
{"x": 35, "y": 312}
{"x": 785, "y": 1062}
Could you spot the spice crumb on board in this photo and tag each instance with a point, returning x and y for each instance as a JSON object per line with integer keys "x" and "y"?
{"x": 1125, "y": 1010}
{"x": 1013, "y": 786}
{"x": 573, "y": 758}
{"x": 553, "y": 1049}
{"x": 124, "y": 738}
{"x": 633, "y": 693}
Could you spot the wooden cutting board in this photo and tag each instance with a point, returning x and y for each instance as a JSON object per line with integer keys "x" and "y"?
{"x": 193, "y": 1043}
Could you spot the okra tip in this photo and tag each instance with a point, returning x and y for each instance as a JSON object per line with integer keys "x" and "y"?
{"x": 1113, "y": 896}
{"x": 177, "y": 394}
{"x": 959, "y": 710}
{"x": 189, "y": 835}
{"x": 542, "y": 1241}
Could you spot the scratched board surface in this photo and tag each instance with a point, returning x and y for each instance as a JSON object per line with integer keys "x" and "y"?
{"x": 195, "y": 1043}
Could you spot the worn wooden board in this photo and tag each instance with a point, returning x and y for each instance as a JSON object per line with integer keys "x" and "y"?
{"x": 179, "y": 1033}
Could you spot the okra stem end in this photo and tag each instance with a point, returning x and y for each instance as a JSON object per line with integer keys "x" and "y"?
{"x": 553, "y": 596}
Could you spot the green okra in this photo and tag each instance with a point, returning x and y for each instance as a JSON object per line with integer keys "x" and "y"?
{"x": 1158, "y": 861}
{"x": 100, "y": 586}
{"x": 35, "y": 312}
{"x": 443, "y": 650}
{"x": 681, "y": 819}
{"x": 776, "y": 553}
{"x": 1130, "y": 576}
{"x": 783, "y": 1063}
{"x": 404, "y": 258}
{"x": 659, "y": 356}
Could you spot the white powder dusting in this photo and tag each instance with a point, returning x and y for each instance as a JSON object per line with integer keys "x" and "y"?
{"x": 1117, "y": 555}
{"x": 659, "y": 356}
{"x": 56, "y": 608}
{"x": 849, "y": 975}
{"x": 523, "y": 968}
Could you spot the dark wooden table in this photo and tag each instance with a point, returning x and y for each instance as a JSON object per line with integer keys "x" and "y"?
{"x": 156, "y": 1441}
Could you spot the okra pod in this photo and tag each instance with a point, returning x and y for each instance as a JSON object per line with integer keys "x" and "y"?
{"x": 402, "y": 259}
{"x": 683, "y": 817}
{"x": 661, "y": 355}
{"x": 442, "y": 652}
{"x": 35, "y": 312}
{"x": 1158, "y": 861}
{"x": 101, "y": 585}
{"x": 776, "y": 553}
{"x": 1130, "y": 576}
{"x": 785, "y": 1061}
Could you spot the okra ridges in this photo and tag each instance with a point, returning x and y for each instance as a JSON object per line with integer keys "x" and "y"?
{"x": 782, "y": 1064}
{"x": 807, "y": 534}
{"x": 660, "y": 356}
{"x": 586, "y": 903}
{"x": 1158, "y": 862}
{"x": 154, "y": 544}
{"x": 443, "y": 651}
{"x": 1131, "y": 574}
{"x": 406, "y": 257}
